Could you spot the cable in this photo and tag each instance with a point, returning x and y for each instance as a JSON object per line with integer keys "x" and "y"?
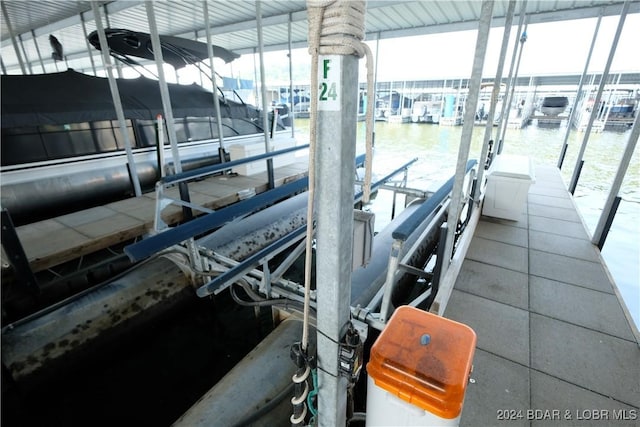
{"x": 258, "y": 301}
{"x": 313, "y": 393}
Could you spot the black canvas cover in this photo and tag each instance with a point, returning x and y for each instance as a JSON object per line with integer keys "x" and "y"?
{"x": 175, "y": 50}
{"x": 72, "y": 97}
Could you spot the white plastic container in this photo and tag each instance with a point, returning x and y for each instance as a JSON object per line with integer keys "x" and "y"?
{"x": 508, "y": 182}
{"x": 418, "y": 370}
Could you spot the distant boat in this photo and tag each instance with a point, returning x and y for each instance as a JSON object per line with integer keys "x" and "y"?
{"x": 623, "y": 109}
{"x": 554, "y": 105}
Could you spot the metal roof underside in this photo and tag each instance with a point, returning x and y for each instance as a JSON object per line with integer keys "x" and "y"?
{"x": 233, "y": 23}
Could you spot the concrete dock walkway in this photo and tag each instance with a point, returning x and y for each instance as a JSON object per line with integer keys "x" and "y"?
{"x": 556, "y": 346}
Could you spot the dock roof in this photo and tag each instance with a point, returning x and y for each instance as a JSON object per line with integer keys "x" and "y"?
{"x": 233, "y": 23}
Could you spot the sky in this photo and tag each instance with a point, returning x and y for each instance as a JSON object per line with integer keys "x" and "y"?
{"x": 551, "y": 48}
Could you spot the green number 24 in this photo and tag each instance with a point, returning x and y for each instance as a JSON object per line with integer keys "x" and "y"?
{"x": 327, "y": 92}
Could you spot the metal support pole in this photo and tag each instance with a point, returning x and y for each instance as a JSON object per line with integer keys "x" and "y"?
{"x": 195, "y": 37}
{"x": 572, "y": 114}
{"x": 24, "y": 52}
{"x": 115, "y": 95}
{"x": 106, "y": 17}
{"x": 594, "y": 112}
{"x": 504, "y": 114}
{"x": 164, "y": 89}
{"x": 606, "y": 218}
{"x": 35, "y": 43}
{"x": 13, "y": 37}
{"x": 374, "y": 95}
{"x": 523, "y": 39}
{"x": 336, "y": 131}
{"x": 494, "y": 97}
{"x": 265, "y": 117}
{"x": 166, "y": 105}
{"x": 484, "y": 26}
{"x": 291, "y": 115}
{"x": 255, "y": 78}
{"x": 216, "y": 99}
{"x": 86, "y": 40}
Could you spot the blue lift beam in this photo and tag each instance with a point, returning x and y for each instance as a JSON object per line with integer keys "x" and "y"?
{"x": 154, "y": 244}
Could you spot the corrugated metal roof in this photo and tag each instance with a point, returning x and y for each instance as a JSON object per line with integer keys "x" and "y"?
{"x": 233, "y": 23}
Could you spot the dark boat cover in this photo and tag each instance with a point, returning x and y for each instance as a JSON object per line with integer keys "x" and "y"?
{"x": 72, "y": 97}
{"x": 175, "y": 50}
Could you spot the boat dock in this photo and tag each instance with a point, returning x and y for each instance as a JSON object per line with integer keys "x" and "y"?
{"x": 74, "y": 235}
{"x": 556, "y": 345}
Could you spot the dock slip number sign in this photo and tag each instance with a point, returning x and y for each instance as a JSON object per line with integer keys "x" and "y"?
{"x": 329, "y": 82}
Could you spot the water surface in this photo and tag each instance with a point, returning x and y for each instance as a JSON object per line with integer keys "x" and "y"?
{"x": 436, "y": 148}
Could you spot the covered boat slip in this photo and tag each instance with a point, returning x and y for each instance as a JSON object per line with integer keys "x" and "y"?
{"x": 553, "y": 335}
{"x": 54, "y": 241}
{"x": 556, "y": 345}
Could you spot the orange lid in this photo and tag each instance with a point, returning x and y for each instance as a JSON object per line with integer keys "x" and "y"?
{"x": 424, "y": 359}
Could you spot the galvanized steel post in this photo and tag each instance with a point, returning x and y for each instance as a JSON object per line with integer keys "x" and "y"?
{"x": 164, "y": 89}
{"x": 106, "y": 18}
{"x": 216, "y": 99}
{"x": 166, "y": 106}
{"x": 494, "y": 98}
{"x": 263, "y": 85}
{"x": 115, "y": 95}
{"x": 504, "y": 114}
{"x": 35, "y": 43}
{"x": 601, "y": 228}
{"x": 521, "y": 40}
{"x": 594, "y": 113}
{"x": 291, "y": 114}
{"x": 336, "y": 130}
{"x": 86, "y": 41}
{"x": 13, "y": 37}
{"x": 24, "y": 52}
{"x": 572, "y": 114}
{"x": 467, "y": 128}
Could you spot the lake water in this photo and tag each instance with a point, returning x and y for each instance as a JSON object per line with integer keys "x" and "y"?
{"x": 436, "y": 148}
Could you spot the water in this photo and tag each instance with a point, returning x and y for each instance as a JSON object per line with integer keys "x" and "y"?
{"x": 436, "y": 148}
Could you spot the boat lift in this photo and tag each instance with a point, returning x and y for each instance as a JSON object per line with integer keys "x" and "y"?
{"x": 416, "y": 229}
{"x": 223, "y": 271}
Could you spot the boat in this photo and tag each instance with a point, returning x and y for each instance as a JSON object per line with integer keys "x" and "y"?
{"x": 426, "y": 111}
{"x": 623, "y": 108}
{"x": 393, "y": 104}
{"x": 64, "y": 151}
{"x": 554, "y": 105}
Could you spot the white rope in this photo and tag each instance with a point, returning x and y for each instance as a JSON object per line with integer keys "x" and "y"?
{"x": 336, "y": 27}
